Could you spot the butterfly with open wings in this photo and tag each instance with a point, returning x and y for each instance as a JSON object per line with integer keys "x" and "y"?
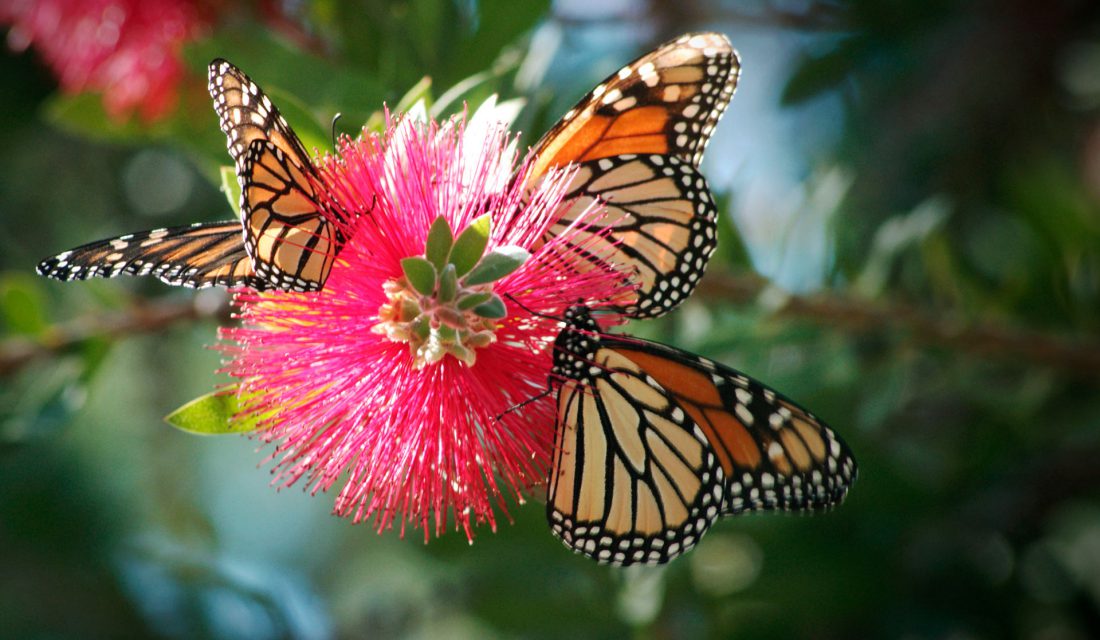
{"x": 653, "y": 444}
{"x": 636, "y": 140}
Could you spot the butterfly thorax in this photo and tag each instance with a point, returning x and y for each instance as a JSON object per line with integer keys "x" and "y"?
{"x": 575, "y": 347}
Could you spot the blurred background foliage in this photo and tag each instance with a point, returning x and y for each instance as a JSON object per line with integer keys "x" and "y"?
{"x": 911, "y": 200}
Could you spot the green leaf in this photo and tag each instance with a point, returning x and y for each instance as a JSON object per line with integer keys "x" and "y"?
{"x": 231, "y": 188}
{"x": 420, "y": 273}
{"x": 314, "y": 135}
{"x": 470, "y": 245}
{"x": 211, "y": 414}
{"x": 21, "y": 304}
{"x": 422, "y": 90}
{"x": 818, "y": 74}
{"x": 448, "y": 284}
{"x": 494, "y": 308}
{"x": 496, "y": 264}
{"x": 469, "y": 301}
{"x": 438, "y": 246}
{"x": 83, "y": 114}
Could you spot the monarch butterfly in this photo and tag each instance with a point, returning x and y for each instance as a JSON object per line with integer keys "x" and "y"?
{"x": 653, "y": 444}
{"x": 287, "y": 241}
{"x": 637, "y": 140}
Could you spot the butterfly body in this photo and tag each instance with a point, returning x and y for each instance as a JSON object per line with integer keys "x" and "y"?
{"x": 653, "y": 444}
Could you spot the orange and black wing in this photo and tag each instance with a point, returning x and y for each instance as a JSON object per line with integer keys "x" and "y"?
{"x": 246, "y": 114}
{"x": 198, "y": 255}
{"x": 659, "y": 225}
{"x": 292, "y": 246}
{"x": 666, "y": 102}
{"x": 653, "y": 444}
{"x": 286, "y": 233}
{"x": 636, "y": 141}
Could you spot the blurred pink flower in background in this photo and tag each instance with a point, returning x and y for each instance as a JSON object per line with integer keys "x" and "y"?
{"x": 128, "y": 50}
{"x": 403, "y": 392}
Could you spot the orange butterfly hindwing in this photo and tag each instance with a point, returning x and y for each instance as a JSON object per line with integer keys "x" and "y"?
{"x": 653, "y": 444}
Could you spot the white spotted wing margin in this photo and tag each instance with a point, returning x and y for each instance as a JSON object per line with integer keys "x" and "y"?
{"x": 659, "y": 222}
{"x": 653, "y": 444}
{"x": 198, "y": 255}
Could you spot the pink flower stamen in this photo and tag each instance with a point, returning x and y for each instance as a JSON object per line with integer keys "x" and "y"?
{"x": 418, "y": 434}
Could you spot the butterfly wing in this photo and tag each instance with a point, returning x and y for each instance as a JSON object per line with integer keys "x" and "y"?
{"x": 633, "y": 480}
{"x": 774, "y": 454}
{"x": 660, "y": 224}
{"x": 293, "y": 247}
{"x": 666, "y": 102}
{"x": 198, "y": 255}
{"x": 653, "y": 444}
{"x": 637, "y": 140}
{"x": 291, "y": 242}
{"x": 246, "y": 114}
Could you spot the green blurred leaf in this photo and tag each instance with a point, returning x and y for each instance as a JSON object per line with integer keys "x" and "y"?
{"x": 191, "y": 126}
{"x": 212, "y": 414}
{"x": 42, "y": 400}
{"x": 231, "y": 188}
{"x": 314, "y": 134}
{"x": 817, "y": 74}
{"x": 21, "y": 304}
{"x": 421, "y": 91}
{"x": 731, "y": 246}
{"x": 308, "y": 89}
{"x": 83, "y": 114}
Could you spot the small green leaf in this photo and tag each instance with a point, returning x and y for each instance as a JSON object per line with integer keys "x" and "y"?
{"x": 438, "y": 246}
{"x": 494, "y": 308}
{"x": 211, "y": 414}
{"x": 496, "y": 264}
{"x": 446, "y": 335}
{"x": 422, "y": 90}
{"x": 421, "y": 328}
{"x": 420, "y": 273}
{"x": 231, "y": 188}
{"x": 471, "y": 300}
{"x": 470, "y": 245}
{"x": 448, "y": 284}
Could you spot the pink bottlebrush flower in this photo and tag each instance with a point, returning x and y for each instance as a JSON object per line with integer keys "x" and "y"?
{"x": 397, "y": 379}
{"x": 127, "y": 49}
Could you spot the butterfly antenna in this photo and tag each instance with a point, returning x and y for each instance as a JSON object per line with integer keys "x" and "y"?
{"x": 532, "y": 311}
{"x": 335, "y": 119}
{"x": 517, "y": 407}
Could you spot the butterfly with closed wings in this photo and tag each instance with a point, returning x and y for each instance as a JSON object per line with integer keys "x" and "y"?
{"x": 653, "y": 444}
{"x": 285, "y": 238}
